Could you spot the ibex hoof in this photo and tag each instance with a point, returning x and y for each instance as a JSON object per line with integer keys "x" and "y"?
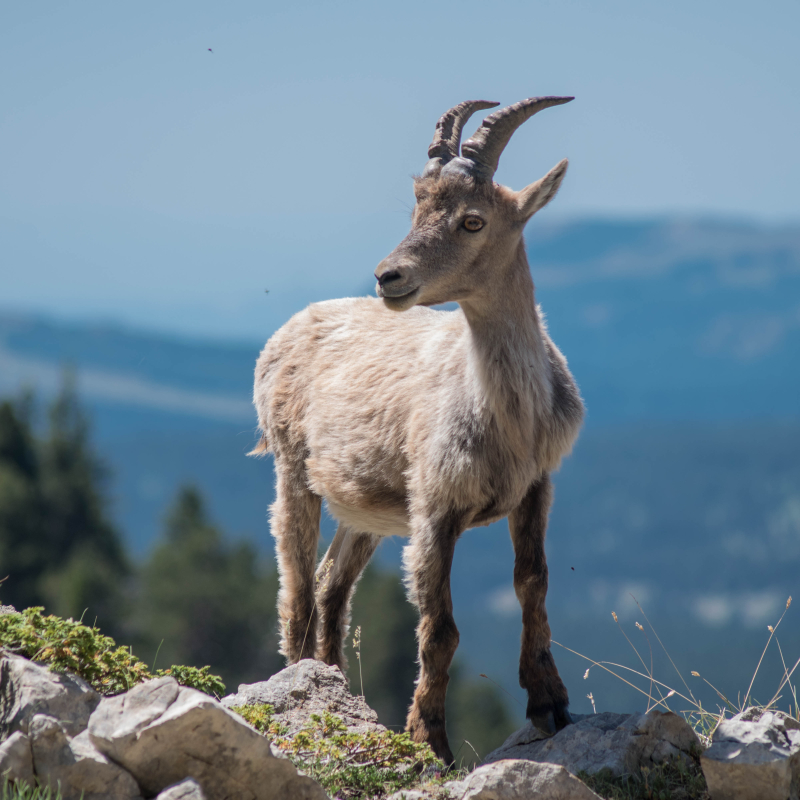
{"x": 550, "y": 720}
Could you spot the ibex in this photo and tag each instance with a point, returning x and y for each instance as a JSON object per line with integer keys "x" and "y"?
{"x": 425, "y": 423}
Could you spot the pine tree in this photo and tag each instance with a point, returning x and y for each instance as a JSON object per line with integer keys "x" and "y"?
{"x": 23, "y": 557}
{"x": 208, "y": 601}
{"x": 57, "y": 544}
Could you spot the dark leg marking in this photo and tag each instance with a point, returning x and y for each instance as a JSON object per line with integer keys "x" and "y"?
{"x": 427, "y": 560}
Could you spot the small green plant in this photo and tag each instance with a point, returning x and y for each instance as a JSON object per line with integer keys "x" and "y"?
{"x": 261, "y": 717}
{"x": 68, "y": 646}
{"x": 21, "y": 791}
{"x": 199, "y": 678}
{"x": 357, "y": 648}
{"x": 348, "y": 764}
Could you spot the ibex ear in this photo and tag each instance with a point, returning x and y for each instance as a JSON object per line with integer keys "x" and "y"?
{"x": 539, "y": 194}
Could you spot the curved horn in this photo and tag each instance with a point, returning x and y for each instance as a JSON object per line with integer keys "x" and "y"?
{"x": 489, "y": 141}
{"x": 447, "y": 138}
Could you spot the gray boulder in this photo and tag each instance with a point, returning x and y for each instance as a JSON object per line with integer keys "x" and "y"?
{"x": 27, "y": 689}
{"x": 308, "y": 687}
{"x": 74, "y": 766}
{"x": 163, "y": 733}
{"x": 185, "y": 790}
{"x": 520, "y": 780}
{"x": 620, "y": 743}
{"x": 508, "y": 780}
{"x": 754, "y": 756}
{"x": 16, "y": 760}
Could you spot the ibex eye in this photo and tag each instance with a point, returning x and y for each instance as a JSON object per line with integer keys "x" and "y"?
{"x": 473, "y": 223}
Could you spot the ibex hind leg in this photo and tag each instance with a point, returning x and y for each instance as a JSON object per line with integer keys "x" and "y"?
{"x": 295, "y": 516}
{"x": 337, "y": 576}
{"x": 548, "y": 700}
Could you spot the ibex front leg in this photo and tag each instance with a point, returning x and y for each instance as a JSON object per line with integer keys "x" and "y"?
{"x": 427, "y": 560}
{"x": 547, "y": 695}
{"x": 295, "y": 526}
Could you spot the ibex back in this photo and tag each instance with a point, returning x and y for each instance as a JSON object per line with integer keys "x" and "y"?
{"x": 425, "y": 423}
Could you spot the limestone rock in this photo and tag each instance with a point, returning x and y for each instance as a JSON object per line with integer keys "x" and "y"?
{"x": 754, "y": 756}
{"x": 618, "y": 742}
{"x": 185, "y": 790}
{"x": 511, "y": 779}
{"x": 27, "y": 688}
{"x": 520, "y": 780}
{"x": 308, "y": 687}
{"x": 16, "y": 760}
{"x": 74, "y": 766}
{"x": 163, "y": 733}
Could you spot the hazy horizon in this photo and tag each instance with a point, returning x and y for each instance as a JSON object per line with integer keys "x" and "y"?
{"x": 166, "y": 164}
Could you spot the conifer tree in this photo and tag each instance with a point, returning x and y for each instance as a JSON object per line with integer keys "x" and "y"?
{"x": 23, "y": 557}
{"x": 205, "y": 600}
{"x": 87, "y": 567}
{"x": 57, "y": 545}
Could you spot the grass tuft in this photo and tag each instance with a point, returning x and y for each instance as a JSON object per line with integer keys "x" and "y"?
{"x": 68, "y": 646}
{"x": 21, "y": 791}
{"x": 678, "y": 779}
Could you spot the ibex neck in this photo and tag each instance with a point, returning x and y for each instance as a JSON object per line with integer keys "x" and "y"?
{"x": 509, "y": 355}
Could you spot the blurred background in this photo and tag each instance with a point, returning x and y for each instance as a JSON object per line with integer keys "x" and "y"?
{"x": 178, "y": 179}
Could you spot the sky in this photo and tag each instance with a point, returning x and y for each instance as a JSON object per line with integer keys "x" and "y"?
{"x": 165, "y": 164}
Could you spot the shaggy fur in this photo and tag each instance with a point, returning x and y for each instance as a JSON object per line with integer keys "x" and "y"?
{"x": 422, "y": 424}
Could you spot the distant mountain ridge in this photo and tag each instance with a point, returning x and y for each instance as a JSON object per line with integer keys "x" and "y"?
{"x": 659, "y": 320}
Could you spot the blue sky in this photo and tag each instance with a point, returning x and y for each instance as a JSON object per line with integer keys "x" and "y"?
{"x": 150, "y": 181}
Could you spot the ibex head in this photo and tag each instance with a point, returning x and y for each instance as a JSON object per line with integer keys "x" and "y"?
{"x": 465, "y": 227}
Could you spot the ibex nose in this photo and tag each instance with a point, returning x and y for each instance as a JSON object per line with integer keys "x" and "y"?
{"x": 394, "y": 278}
{"x": 387, "y": 274}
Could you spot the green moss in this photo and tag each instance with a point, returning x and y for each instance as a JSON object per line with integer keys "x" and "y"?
{"x": 347, "y": 764}
{"x": 68, "y": 646}
{"x": 679, "y": 779}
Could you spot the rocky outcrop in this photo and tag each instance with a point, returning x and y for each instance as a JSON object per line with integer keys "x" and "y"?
{"x": 620, "y": 743}
{"x": 308, "y": 687}
{"x": 57, "y": 732}
{"x": 754, "y": 756}
{"x": 165, "y": 741}
{"x": 162, "y": 733}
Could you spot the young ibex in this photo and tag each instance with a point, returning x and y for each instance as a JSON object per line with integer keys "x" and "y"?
{"x": 425, "y": 423}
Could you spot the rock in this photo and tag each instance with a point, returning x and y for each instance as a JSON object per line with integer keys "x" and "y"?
{"x": 74, "y": 766}
{"x": 754, "y": 756}
{"x": 7, "y": 610}
{"x": 163, "y": 733}
{"x": 16, "y": 760}
{"x": 512, "y": 779}
{"x": 185, "y": 790}
{"x": 308, "y": 687}
{"x": 27, "y": 689}
{"x": 618, "y": 742}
